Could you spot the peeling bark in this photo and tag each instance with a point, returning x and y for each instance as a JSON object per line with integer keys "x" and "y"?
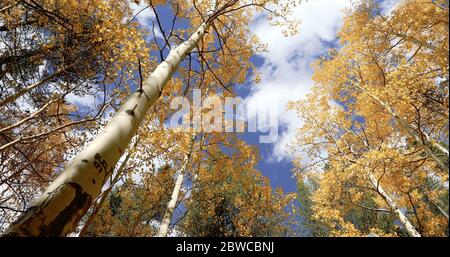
{"x": 104, "y": 196}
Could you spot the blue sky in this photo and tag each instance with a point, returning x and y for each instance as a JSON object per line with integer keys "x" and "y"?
{"x": 286, "y": 76}
{"x": 285, "y": 73}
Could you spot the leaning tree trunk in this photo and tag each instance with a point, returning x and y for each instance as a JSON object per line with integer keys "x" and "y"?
{"x": 60, "y": 208}
{"x": 403, "y": 219}
{"x": 164, "y": 227}
{"x": 27, "y": 89}
{"x": 435, "y": 205}
{"x": 425, "y": 142}
{"x": 441, "y": 210}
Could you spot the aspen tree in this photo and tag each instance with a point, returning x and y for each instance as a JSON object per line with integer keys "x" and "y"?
{"x": 360, "y": 172}
{"x": 400, "y": 62}
{"x": 70, "y": 195}
{"x": 231, "y": 197}
{"x": 164, "y": 227}
{"x": 59, "y": 81}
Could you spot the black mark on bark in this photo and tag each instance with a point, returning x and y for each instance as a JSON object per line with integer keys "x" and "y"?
{"x": 131, "y": 112}
{"x": 71, "y": 214}
{"x": 100, "y": 164}
{"x": 33, "y": 221}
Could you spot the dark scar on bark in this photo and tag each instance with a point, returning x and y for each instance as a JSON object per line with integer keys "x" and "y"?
{"x": 131, "y": 112}
{"x": 159, "y": 91}
{"x": 85, "y": 161}
{"x": 143, "y": 92}
{"x": 93, "y": 181}
{"x": 76, "y": 208}
{"x": 71, "y": 214}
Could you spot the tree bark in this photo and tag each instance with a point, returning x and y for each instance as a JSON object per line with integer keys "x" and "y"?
{"x": 403, "y": 219}
{"x": 421, "y": 138}
{"x": 104, "y": 196}
{"x": 164, "y": 227}
{"x": 60, "y": 208}
{"x": 441, "y": 211}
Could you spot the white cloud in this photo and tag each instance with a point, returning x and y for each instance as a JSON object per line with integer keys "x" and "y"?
{"x": 87, "y": 101}
{"x": 286, "y": 73}
{"x": 387, "y": 6}
{"x": 145, "y": 16}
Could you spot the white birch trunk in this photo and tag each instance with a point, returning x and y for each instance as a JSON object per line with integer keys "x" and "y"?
{"x": 60, "y": 208}
{"x": 435, "y": 205}
{"x": 442, "y": 211}
{"x": 416, "y": 41}
{"x": 403, "y": 219}
{"x": 164, "y": 227}
{"x": 421, "y": 138}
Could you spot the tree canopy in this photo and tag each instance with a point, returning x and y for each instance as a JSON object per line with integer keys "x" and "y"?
{"x": 88, "y": 90}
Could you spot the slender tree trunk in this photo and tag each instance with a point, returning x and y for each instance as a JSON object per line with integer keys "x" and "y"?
{"x": 418, "y": 42}
{"x": 441, "y": 210}
{"x": 58, "y": 211}
{"x": 8, "y": 7}
{"x": 22, "y": 121}
{"x": 403, "y": 219}
{"x": 427, "y": 144}
{"x": 164, "y": 227}
{"x": 35, "y": 85}
{"x": 435, "y": 205}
